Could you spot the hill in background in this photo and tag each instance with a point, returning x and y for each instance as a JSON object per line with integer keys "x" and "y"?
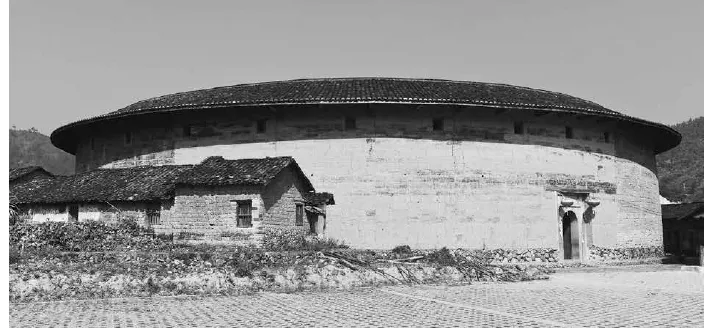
{"x": 681, "y": 170}
{"x": 29, "y": 148}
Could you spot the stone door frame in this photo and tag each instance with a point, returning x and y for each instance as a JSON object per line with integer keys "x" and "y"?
{"x": 578, "y": 206}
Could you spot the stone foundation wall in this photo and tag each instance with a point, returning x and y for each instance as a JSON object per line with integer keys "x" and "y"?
{"x": 548, "y": 255}
{"x": 628, "y": 253}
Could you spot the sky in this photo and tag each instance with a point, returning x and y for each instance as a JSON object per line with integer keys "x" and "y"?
{"x": 71, "y": 60}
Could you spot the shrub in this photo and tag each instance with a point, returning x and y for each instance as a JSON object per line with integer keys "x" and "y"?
{"x": 14, "y": 254}
{"x": 402, "y": 249}
{"x": 186, "y": 258}
{"x": 322, "y": 244}
{"x": 129, "y": 226}
{"x": 187, "y": 235}
{"x": 83, "y": 236}
{"x": 442, "y": 257}
{"x": 165, "y": 237}
{"x": 279, "y": 240}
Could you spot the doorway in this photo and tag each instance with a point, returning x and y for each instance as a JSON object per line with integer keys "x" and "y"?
{"x": 73, "y": 213}
{"x": 570, "y": 236}
{"x": 312, "y": 222}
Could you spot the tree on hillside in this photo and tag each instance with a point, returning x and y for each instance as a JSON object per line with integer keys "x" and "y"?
{"x": 29, "y": 148}
{"x": 681, "y": 170}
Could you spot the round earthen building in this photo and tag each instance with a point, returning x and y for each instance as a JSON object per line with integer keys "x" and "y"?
{"x": 425, "y": 163}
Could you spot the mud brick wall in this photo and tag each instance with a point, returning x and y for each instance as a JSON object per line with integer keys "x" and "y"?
{"x": 212, "y": 211}
{"x": 280, "y": 198}
{"x": 209, "y": 211}
{"x": 473, "y": 184}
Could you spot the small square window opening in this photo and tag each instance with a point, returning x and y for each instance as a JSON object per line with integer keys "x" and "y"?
{"x": 350, "y": 123}
{"x": 569, "y": 134}
{"x": 261, "y": 126}
{"x": 518, "y": 128}
{"x": 438, "y": 124}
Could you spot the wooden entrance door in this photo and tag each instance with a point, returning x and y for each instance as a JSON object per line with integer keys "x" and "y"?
{"x": 570, "y": 236}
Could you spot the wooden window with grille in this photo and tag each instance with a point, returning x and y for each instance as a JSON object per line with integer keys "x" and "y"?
{"x": 244, "y": 213}
{"x": 299, "y": 214}
{"x": 153, "y": 215}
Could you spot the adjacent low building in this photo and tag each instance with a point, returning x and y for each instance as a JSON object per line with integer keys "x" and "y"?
{"x": 215, "y": 198}
{"x": 683, "y": 228}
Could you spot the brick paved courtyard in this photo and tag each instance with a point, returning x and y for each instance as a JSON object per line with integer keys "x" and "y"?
{"x": 644, "y": 296}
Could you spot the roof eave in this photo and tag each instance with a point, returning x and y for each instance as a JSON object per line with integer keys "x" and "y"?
{"x": 63, "y": 141}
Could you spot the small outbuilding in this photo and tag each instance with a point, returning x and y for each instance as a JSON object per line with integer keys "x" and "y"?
{"x": 213, "y": 199}
{"x": 316, "y": 210}
{"x": 683, "y": 228}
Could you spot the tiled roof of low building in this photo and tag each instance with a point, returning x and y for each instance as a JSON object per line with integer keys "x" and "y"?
{"x": 124, "y": 184}
{"x": 217, "y": 171}
{"x": 20, "y": 172}
{"x": 318, "y": 198}
{"x": 363, "y": 91}
{"x": 149, "y": 183}
{"x": 681, "y": 211}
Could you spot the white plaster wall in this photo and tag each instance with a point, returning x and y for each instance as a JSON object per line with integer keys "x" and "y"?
{"x": 425, "y": 193}
{"x": 88, "y": 213}
{"x": 48, "y": 214}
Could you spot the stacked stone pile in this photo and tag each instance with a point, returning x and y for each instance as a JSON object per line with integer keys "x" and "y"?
{"x": 493, "y": 256}
{"x": 539, "y": 255}
{"x": 617, "y": 254}
{"x": 499, "y": 256}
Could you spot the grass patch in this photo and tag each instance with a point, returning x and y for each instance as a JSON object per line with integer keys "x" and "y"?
{"x": 294, "y": 240}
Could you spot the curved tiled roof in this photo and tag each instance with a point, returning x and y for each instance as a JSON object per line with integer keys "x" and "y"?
{"x": 147, "y": 183}
{"x": 364, "y": 90}
{"x": 20, "y": 172}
